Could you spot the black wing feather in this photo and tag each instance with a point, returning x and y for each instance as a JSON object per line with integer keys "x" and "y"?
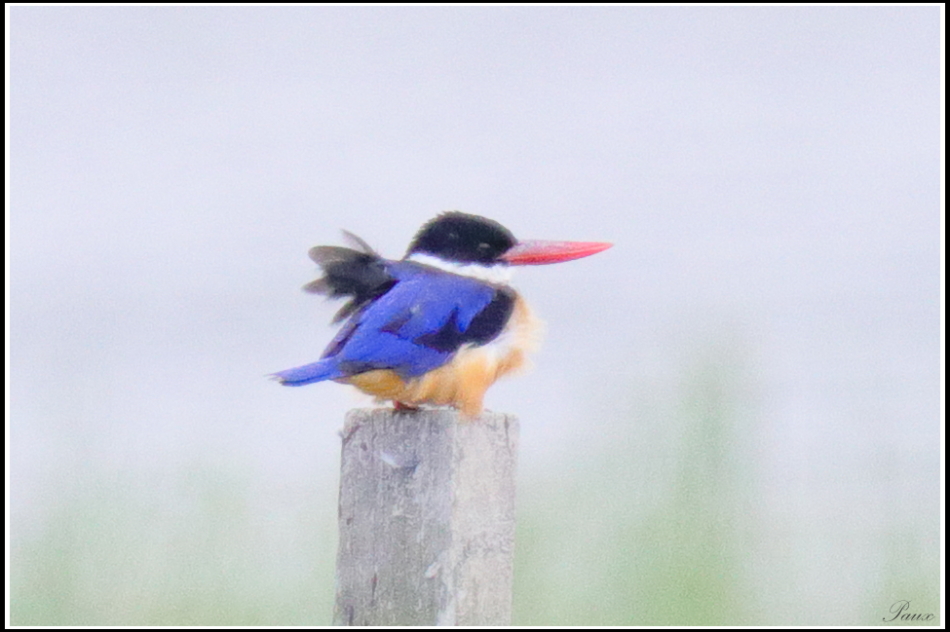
{"x": 360, "y": 274}
{"x": 484, "y": 328}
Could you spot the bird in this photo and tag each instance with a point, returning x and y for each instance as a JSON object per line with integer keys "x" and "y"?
{"x": 437, "y": 327}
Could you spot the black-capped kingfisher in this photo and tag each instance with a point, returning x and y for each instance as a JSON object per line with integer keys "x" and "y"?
{"x": 438, "y": 326}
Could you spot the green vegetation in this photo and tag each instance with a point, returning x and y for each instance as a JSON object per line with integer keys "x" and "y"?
{"x": 665, "y": 525}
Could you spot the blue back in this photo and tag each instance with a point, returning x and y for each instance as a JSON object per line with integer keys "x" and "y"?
{"x": 418, "y": 325}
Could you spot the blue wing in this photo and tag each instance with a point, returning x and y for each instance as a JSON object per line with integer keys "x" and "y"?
{"x": 415, "y": 327}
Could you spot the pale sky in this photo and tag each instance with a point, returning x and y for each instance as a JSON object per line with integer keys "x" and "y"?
{"x": 770, "y": 178}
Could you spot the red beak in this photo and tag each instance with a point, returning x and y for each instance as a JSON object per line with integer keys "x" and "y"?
{"x": 537, "y": 252}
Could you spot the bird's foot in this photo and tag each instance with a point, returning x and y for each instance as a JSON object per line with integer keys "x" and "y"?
{"x": 399, "y": 406}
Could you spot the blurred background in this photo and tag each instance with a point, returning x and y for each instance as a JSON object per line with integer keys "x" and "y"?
{"x": 735, "y": 415}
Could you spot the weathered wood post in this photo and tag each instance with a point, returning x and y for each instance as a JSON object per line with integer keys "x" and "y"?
{"x": 427, "y": 518}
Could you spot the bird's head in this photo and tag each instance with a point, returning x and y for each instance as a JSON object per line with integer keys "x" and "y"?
{"x": 464, "y": 240}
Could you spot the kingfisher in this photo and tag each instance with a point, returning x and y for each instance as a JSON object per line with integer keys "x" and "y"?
{"x": 438, "y": 326}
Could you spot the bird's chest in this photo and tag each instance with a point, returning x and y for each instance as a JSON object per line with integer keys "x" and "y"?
{"x": 463, "y": 380}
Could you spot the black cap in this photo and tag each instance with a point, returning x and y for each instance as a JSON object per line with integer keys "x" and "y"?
{"x": 463, "y": 238}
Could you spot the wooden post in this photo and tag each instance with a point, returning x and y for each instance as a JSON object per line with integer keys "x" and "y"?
{"x": 427, "y": 518}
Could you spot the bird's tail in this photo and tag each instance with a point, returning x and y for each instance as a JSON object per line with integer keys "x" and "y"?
{"x": 325, "y": 369}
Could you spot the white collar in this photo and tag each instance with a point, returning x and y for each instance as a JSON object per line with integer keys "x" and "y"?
{"x": 499, "y": 274}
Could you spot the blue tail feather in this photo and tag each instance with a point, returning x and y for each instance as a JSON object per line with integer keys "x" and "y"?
{"x": 325, "y": 369}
